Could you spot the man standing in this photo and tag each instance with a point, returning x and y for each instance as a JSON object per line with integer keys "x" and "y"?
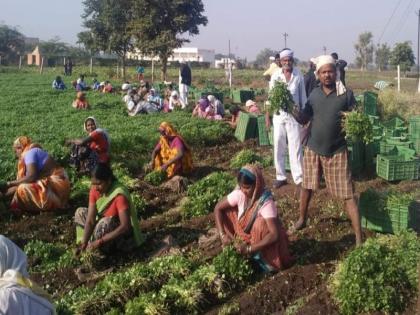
{"x": 273, "y": 67}
{"x": 284, "y": 125}
{"x": 341, "y": 65}
{"x": 310, "y": 80}
{"x": 326, "y": 151}
{"x": 184, "y": 81}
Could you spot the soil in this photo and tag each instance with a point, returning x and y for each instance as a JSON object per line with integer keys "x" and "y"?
{"x": 301, "y": 289}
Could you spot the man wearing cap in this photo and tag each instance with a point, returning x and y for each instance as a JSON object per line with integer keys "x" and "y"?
{"x": 273, "y": 67}
{"x": 184, "y": 81}
{"x": 326, "y": 150}
{"x": 285, "y": 126}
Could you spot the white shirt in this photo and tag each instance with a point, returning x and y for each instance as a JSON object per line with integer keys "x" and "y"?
{"x": 15, "y": 300}
{"x": 296, "y": 85}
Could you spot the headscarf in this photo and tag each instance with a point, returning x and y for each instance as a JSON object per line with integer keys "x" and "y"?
{"x": 26, "y": 144}
{"x": 203, "y": 103}
{"x": 286, "y": 53}
{"x": 86, "y": 120}
{"x": 174, "y": 93}
{"x": 80, "y": 96}
{"x": 211, "y": 98}
{"x": 108, "y": 139}
{"x": 254, "y": 173}
{"x": 323, "y": 60}
{"x": 14, "y": 272}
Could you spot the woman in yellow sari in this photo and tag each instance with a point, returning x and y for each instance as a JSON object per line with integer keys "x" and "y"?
{"x": 171, "y": 154}
{"x": 41, "y": 184}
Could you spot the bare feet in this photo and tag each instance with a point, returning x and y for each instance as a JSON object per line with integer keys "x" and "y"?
{"x": 299, "y": 225}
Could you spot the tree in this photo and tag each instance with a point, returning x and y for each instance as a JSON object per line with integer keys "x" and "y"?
{"x": 12, "y": 42}
{"x": 88, "y": 42}
{"x": 263, "y": 56}
{"x": 383, "y": 53}
{"x": 403, "y": 55}
{"x": 159, "y": 24}
{"x": 109, "y": 22}
{"x": 364, "y": 50}
{"x": 54, "y": 47}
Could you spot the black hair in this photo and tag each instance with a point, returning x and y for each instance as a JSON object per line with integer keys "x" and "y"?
{"x": 334, "y": 55}
{"x": 234, "y": 109}
{"x": 244, "y": 179}
{"x": 103, "y": 172}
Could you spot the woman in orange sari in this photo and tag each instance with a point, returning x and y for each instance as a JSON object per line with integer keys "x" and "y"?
{"x": 171, "y": 154}
{"x": 41, "y": 184}
{"x": 249, "y": 214}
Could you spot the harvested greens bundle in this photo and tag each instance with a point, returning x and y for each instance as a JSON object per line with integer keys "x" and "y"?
{"x": 280, "y": 98}
{"x": 357, "y": 126}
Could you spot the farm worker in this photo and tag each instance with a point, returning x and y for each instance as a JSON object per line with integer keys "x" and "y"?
{"x": 341, "y": 66}
{"x": 81, "y": 84}
{"x": 58, "y": 83}
{"x": 249, "y": 214}
{"x": 252, "y": 107}
{"x": 154, "y": 99}
{"x": 140, "y": 73}
{"x": 326, "y": 150}
{"x": 273, "y": 67}
{"x": 110, "y": 221}
{"x": 234, "y": 110}
{"x": 93, "y": 149}
{"x": 80, "y": 102}
{"x": 171, "y": 154}
{"x": 217, "y": 104}
{"x": 41, "y": 184}
{"x": 175, "y": 102}
{"x": 19, "y": 295}
{"x": 107, "y": 87}
{"x": 286, "y": 130}
{"x": 200, "y": 109}
{"x": 310, "y": 79}
{"x": 184, "y": 82}
{"x": 95, "y": 84}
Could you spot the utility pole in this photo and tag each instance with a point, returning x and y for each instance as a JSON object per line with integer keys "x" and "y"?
{"x": 324, "y": 49}
{"x": 285, "y": 35}
{"x": 418, "y": 48}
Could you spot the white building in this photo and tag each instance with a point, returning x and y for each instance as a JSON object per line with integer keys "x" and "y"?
{"x": 181, "y": 54}
{"x": 224, "y": 63}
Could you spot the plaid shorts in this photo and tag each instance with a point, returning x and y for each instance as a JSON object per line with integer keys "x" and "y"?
{"x": 336, "y": 171}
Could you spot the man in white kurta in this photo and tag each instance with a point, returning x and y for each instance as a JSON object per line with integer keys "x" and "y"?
{"x": 286, "y": 129}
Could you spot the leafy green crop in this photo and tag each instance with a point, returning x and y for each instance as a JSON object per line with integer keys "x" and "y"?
{"x": 156, "y": 177}
{"x": 280, "y": 98}
{"x": 147, "y": 304}
{"x": 205, "y": 193}
{"x": 232, "y": 267}
{"x": 357, "y": 127}
{"x": 243, "y": 157}
{"x": 381, "y": 275}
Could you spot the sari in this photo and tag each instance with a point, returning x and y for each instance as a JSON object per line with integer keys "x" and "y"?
{"x": 47, "y": 193}
{"x": 251, "y": 227}
{"x": 167, "y": 152}
{"x": 18, "y": 293}
{"x": 80, "y": 102}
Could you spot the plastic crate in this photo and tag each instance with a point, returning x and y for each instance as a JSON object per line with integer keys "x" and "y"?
{"x": 414, "y": 127}
{"x": 375, "y": 120}
{"x": 371, "y": 151}
{"x": 391, "y": 219}
{"x": 378, "y": 131}
{"x": 241, "y": 96}
{"x": 416, "y": 145}
{"x": 262, "y": 131}
{"x": 370, "y": 103}
{"x": 271, "y": 136}
{"x": 356, "y": 156}
{"x": 387, "y": 145}
{"x": 246, "y": 127}
{"x": 397, "y": 167}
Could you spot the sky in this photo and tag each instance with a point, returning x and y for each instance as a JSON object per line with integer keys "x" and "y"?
{"x": 250, "y": 25}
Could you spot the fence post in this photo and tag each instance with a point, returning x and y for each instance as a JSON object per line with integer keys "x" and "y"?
{"x": 20, "y": 62}
{"x": 399, "y": 78}
{"x": 153, "y": 69}
{"x": 118, "y": 70}
{"x": 42, "y": 65}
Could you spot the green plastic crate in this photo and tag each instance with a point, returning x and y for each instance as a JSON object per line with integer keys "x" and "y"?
{"x": 387, "y": 145}
{"x": 397, "y": 167}
{"x": 371, "y": 151}
{"x": 414, "y": 127}
{"x": 241, "y": 96}
{"x": 370, "y": 103}
{"x": 271, "y": 136}
{"x": 356, "y": 156}
{"x": 262, "y": 131}
{"x": 378, "y": 131}
{"x": 416, "y": 145}
{"x": 391, "y": 219}
{"x": 375, "y": 120}
{"x": 246, "y": 127}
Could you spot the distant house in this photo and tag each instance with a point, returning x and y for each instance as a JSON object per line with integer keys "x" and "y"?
{"x": 224, "y": 63}
{"x": 35, "y": 57}
{"x": 190, "y": 54}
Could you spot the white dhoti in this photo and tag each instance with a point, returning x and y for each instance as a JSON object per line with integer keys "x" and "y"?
{"x": 183, "y": 93}
{"x": 287, "y": 133}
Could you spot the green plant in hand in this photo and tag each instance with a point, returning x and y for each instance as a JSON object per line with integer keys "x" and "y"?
{"x": 246, "y": 156}
{"x": 357, "y": 127}
{"x": 280, "y": 98}
{"x": 156, "y": 177}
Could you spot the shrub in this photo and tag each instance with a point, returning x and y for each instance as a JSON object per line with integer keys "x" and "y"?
{"x": 392, "y": 103}
{"x": 243, "y": 157}
{"x": 381, "y": 275}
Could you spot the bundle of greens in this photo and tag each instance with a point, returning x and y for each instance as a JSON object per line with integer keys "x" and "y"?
{"x": 280, "y": 98}
{"x": 155, "y": 177}
{"x": 357, "y": 127}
